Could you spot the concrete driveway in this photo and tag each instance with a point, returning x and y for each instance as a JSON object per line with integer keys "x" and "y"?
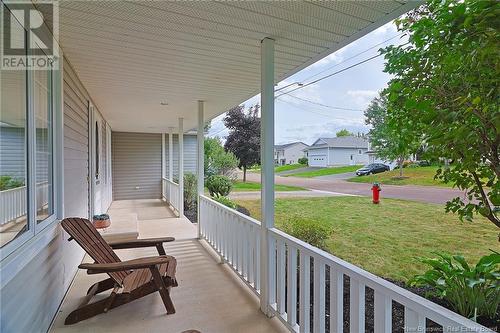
{"x": 430, "y": 194}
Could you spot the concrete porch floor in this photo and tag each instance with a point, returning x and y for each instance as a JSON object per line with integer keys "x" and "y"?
{"x": 210, "y": 297}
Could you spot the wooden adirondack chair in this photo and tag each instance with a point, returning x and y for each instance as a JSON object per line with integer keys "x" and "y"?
{"x": 130, "y": 280}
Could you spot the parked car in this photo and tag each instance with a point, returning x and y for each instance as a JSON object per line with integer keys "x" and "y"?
{"x": 372, "y": 168}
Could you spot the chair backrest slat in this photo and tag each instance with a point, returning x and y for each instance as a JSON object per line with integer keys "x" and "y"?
{"x": 87, "y": 236}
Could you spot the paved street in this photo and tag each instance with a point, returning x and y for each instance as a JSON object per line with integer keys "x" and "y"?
{"x": 429, "y": 194}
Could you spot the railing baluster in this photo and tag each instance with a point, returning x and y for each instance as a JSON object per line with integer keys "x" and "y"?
{"x": 291, "y": 310}
{"x": 357, "y": 306}
{"x": 383, "y": 313}
{"x": 280, "y": 277}
{"x": 305, "y": 291}
{"x": 319, "y": 295}
{"x": 336, "y": 300}
{"x": 414, "y": 322}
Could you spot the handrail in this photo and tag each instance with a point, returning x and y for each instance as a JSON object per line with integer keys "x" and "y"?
{"x": 297, "y": 266}
{"x": 170, "y": 193}
{"x": 431, "y": 310}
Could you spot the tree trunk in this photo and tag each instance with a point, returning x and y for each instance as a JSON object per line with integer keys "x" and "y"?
{"x": 401, "y": 161}
{"x": 244, "y": 174}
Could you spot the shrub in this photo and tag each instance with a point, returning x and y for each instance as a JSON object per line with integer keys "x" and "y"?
{"x": 8, "y": 182}
{"x": 190, "y": 191}
{"x": 226, "y": 202}
{"x": 303, "y": 161}
{"x": 219, "y": 186}
{"x": 310, "y": 231}
{"x": 218, "y": 161}
{"x": 470, "y": 291}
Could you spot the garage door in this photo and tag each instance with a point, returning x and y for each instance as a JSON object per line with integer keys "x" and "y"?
{"x": 136, "y": 163}
{"x": 317, "y": 160}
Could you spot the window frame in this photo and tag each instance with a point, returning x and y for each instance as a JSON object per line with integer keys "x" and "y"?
{"x": 34, "y": 234}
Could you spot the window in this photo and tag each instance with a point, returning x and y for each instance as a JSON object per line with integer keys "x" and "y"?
{"x": 27, "y": 151}
{"x": 13, "y": 153}
{"x": 360, "y": 152}
{"x": 44, "y": 157}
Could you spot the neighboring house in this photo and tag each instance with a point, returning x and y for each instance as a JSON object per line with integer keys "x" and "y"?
{"x": 289, "y": 153}
{"x": 373, "y": 158}
{"x": 346, "y": 150}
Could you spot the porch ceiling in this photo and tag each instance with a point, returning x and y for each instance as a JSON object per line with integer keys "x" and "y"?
{"x": 132, "y": 56}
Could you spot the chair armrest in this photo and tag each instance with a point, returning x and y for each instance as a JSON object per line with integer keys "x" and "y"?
{"x": 145, "y": 262}
{"x": 135, "y": 243}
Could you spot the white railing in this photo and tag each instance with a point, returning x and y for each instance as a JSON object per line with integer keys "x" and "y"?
{"x": 170, "y": 192}
{"x": 235, "y": 237}
{"x": 307, "y": 284}
{"x": 14, "y": 204}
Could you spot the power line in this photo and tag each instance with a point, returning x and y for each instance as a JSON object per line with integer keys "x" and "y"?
{"x": 354, "y": 56}
{"x": 330, "y": 75}
{"x": 313, "y": 111}
{"x": 324, "y": 105}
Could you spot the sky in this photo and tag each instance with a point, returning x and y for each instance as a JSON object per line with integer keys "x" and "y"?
{"x": 299, "y": 120}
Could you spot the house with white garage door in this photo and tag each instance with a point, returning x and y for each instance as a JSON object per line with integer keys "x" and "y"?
{"x": 338, "y": 151}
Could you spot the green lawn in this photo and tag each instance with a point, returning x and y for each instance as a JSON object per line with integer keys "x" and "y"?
{"x": 385, "y": 239}
{"x": 326, "y": 171}
{"x": 240, "y": 186}
{"x": 289, "y": 167}
{"x": 416, "y": 176}
{"x": 281, "y": 168}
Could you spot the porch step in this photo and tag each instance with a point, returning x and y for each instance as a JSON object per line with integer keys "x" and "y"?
{"x": 123, "y": 227}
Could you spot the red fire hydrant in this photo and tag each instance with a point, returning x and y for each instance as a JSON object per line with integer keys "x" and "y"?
{"x": 376, "y": 193}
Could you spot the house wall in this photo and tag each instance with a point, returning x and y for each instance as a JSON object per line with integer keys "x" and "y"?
{"x": 190, "y": 158}
{"x": 293, "y": 153}
{"x": 35, "y": 277}
{"x": 136, "y": 165}
{"x": 342, "y": 156}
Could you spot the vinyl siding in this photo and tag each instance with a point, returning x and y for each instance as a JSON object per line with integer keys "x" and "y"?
{"x": 190, "y": 147}
{"x": 31, "y": 298}
{"x": 136, "y": 165}
{"x": 342, "y": 156}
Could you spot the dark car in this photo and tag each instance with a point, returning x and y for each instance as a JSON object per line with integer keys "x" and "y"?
{"x": 372, "y": 168}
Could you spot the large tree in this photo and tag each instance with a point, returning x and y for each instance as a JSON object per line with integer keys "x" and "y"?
{"x": 389, "y": 138}
{"x": 344, "y": 132}
{"x": 446, "y": 78}
{"x": 244, "y": 136}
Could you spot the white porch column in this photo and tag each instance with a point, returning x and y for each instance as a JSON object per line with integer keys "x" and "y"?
{"x": 181, "y": 166}
{"x": 163, "y": 157}
{"x": 201, "y": 159}
{"x": 267, "y": 261}
{"x": 170, "y": 154}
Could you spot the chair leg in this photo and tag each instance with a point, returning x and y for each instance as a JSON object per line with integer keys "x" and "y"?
{"x": 162, "y": 289}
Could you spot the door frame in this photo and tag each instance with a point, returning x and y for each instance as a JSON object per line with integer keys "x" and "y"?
{"x": 91, "y": 159}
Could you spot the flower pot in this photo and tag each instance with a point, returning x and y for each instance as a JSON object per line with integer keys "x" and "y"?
{"x": 101, "y": 223}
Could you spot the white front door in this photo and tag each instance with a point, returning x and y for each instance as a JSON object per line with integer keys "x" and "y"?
{"x": 95, "y": 161}
{"x": 351, "y": 160}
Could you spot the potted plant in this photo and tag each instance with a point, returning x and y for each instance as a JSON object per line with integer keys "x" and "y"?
{"x": 101, "y": 221}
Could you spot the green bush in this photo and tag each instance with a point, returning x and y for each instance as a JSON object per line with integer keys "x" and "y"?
{"x": 8, "y": 182}
{"x": 470, "y": 291}
{"x": 310, "y": 231}
{"x": 190, "y": 191}
{"x": 303, "y": 161}
{"x": 219, "y": 186}
{"x": 218, "y": 161}
{"x": 226, "y": 202}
